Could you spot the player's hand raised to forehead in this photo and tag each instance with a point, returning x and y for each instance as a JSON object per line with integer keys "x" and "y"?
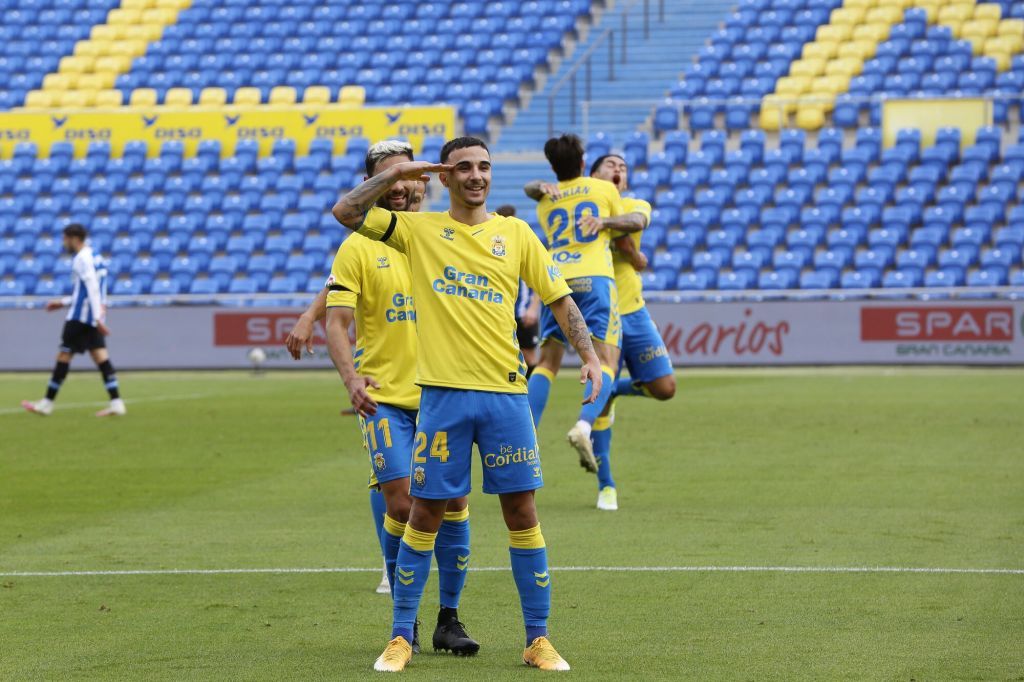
{"x": 417, "y": 170}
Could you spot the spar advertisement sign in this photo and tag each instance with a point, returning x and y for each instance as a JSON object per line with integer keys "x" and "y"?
{"x": 695, "y": 333}
{"x": 842, "y": 332}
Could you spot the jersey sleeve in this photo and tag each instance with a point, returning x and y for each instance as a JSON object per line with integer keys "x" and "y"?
{"x": 346, "y": 280}
{"x": 537, "y": 269}
{"x": 390, "y": 227}
{"x": 635, "y": 206}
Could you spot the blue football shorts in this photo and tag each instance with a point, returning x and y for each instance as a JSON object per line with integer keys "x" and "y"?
{"x": 451, "y": 421}
{"x": 643, "y": 351}
{"x": 598, "y": 300}
{"x": 388, "y": 437}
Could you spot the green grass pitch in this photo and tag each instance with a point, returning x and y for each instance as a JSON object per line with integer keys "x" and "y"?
{"x": 814, "y": 468}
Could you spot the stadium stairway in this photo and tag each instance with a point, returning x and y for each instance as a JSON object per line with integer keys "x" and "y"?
{"x": 651, "y": 64}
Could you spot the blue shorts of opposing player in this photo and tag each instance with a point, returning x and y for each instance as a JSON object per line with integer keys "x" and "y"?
{"x": 388, "y": 436}
{"x": 643, "y": 351}
{"x": 598, "y": 300}
{"x": 451, "y": 421}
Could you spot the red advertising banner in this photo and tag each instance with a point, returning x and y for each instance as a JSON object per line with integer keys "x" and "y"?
{"x": 972, "y": 323}
{"x": 258, "y": 329}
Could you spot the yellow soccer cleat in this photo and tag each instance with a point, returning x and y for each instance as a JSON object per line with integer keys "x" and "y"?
{"x": 542, "y": 655}
{"x": 608, "y": 499}
{"x": 395, "y": 657}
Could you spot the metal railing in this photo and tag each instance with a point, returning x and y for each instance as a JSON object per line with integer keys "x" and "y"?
{"x": 607, "y": 39}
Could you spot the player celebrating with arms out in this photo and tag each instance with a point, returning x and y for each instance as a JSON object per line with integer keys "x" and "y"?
{"x": 578, "y": 215}
{"x": 84, "y": 327}
{"x": 466, "y": 264}
{"x": 371, "y": 282}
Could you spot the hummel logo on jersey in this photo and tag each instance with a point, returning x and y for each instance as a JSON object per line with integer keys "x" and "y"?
{"x": 448, "y": 233}
{"x": 382, "y": 262}
{"x": 553, "y": 272}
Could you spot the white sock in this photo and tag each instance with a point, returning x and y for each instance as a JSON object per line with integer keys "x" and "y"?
{"x": 585, "y": 427}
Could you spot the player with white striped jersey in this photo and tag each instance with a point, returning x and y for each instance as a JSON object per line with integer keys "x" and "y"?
{"x": 84, "y": 327}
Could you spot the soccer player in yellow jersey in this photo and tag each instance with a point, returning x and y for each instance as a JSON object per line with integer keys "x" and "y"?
{"x": 466, "y": 264}
{"x": 370, "y": 282}
{"x": 643, "y": 351}
{"x": 578, "y": 218}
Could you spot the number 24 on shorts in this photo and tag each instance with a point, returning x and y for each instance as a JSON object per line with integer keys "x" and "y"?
{"x": 438, "y": 449}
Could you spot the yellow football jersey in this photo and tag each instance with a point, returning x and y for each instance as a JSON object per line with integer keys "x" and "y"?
{"x": 575, "y": 253}
{"x": 627, "y": 280}
{"x": 375, "y": 281}
{"x": 465, "y": 279}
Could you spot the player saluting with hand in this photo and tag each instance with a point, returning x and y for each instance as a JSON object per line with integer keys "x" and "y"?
{"x": 84, "y": 327}
{"x": 466, "y": 265}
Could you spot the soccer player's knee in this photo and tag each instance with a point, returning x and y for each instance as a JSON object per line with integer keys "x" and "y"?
{"x": 398, "y": 507}
{"x": 458, "y": 504}
{"x": 663, "y": 388}
{"x": 519, "y": 511}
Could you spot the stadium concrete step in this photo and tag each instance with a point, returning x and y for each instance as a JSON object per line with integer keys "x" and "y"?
{"x": 651, "y": 66}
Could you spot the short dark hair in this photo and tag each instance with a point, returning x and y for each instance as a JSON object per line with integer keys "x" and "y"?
{"x": 75, "y": 230}
{"x": 597, "y": 164}
{"x": 506, "y": 210}
{"x": 565, "y": 154}
{"x": 464, "y": 142}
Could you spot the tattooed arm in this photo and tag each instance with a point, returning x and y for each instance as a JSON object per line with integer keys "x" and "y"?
{"x": 351, "y": 208}
{"x": 570, "y": 319}
{"x": 538, "y": 189}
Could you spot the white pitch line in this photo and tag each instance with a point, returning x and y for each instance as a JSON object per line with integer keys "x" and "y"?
{"x": 560, "y": 569}
{"x": 58, "y": 407}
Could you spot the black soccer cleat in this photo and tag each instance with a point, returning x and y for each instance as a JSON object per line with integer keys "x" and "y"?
{"x": 450, "y": 635}
{"x": 416, "y": 636}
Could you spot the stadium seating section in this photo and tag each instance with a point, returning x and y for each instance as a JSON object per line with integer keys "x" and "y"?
{"x": 772, "y": 176}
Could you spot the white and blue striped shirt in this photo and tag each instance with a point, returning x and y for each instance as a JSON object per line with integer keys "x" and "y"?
{"x": 89, "y": 276}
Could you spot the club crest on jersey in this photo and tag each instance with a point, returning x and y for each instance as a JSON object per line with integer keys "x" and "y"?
{"x": 382, "y": 262}
{"x": 448, "y": 233}
{"x": 498, "y": 245}
{"x": 378, "y": 461}
{"x": 330, "y": 282}
{"x": 419, "y": 476}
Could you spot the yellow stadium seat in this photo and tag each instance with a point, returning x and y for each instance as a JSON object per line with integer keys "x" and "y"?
{"x": 772, "y": 116}
{"x": 847, "y": 15}
{"x": 40, "y": 99}
{"x": 114, "y": 63}
{"x": 159, "y": 16}
{"x": 136, "y": 4}
{"x": 178, "y": 97}
{"x": 807, "y": 67}
{"x": 844, "y": 66}
{"x": 59, "y": 81}
{"x": 129, "y": 48}
{"x": 931, "y": 10}
{"x": 89, "y": 81}
{"x": 90, "y": 48}
{"x": 1002, "y": 59}
{"x": 792, "y": 85}
{"x": 109, "y": 98}
{"x": 282, "y": 94}
{"x": 246, "y": 96}
{"x": 148, "y": 32}
{"x": 77, "y": 99}
{"x": 105, "y": 79}
{"x": 143, "y": 97}
{"x": 860, "y": 3}
{"x": 213, "y": 97}
{"x": 124, "y": 16}
{"x": 316, "y": 94}
{"x": 955, "y": 25}
{"x": 109, "y": 32}
{"x": 885, "y": 14}
{"x": 352, "y": 95}
{"x": 810, "y": 116}
{"x": 820, "y": 49}
{"x": 1007, "y": 44}
{"x": 1011, "y": 27}
{"x": 829, "y": 86}
{"x": 980, "y": 28}
{"x": 959, "y": 13}
{"x": 174, "y": 4}
{"x": 876, "y": 32}
{"x": 902, "y": 4}
{"x": 837, "y": 33}
{"x": 858, "y": 49}
{"x": 76, "y": 64}
{"x": 988, "y": 10}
